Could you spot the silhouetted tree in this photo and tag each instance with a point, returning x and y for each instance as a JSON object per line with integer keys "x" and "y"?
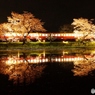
{"x": 66, "y": 28}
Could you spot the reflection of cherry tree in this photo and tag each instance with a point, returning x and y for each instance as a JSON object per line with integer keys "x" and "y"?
{"x": 21, "y": 72}
{"x": 84, "y": 67}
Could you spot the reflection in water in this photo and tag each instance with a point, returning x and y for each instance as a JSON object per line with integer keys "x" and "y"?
{"x": 85, "y": 66}
{"x": 19, "y": 69}
{"x": 23, "y": 72}
{"x": 25, "y": 68}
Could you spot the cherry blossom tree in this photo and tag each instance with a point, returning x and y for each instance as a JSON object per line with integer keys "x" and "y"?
{"x": 84, "y": 28}
{"x": 24, "y": 24}
{"x": 4, "y": 27}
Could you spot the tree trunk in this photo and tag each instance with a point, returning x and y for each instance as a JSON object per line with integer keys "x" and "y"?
{"x": 5, "y": 39}
{"x": 24, "y": 39}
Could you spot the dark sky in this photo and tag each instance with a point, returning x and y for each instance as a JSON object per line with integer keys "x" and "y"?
{"x": 54, "y": 13}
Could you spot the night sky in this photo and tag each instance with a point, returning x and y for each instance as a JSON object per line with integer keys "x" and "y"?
{"x": 54, "y": 13}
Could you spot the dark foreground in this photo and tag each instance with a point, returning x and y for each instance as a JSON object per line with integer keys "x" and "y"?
{"x": 56, "y": 79}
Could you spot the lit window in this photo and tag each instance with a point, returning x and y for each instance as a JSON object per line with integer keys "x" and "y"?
{"x": 58, "y": 34}
{"x": 35, "y": 34}
{"x": 62, "y": 34}
{"x": 66, "y": 34}
{"x": 46, "y": 34}
{"x": 43, "y": 34}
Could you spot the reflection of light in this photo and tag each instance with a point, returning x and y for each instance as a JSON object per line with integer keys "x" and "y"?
{"x": 31, "y": 60}
{"x": 56, "y": 59}
{"x": 65, "y": 52}
{"x": 40, "y": 60}
{"x": 36, "y": 60}
{"x": 44, "y": 53}
{"x": 66, "y": 59}
{"x": 46, "y": 60}
{"x": 70, "y": 59}
{"x": 10, "y": 61}
{"x": 65, "y": 42}
{"x": 59, "y": 59}
{"x": 43, "y": 59}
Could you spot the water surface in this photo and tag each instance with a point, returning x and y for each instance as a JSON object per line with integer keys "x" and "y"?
{"x": 47, "y": 72}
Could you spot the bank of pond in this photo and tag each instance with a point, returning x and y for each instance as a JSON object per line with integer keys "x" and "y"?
{"x": 46, "y": 45}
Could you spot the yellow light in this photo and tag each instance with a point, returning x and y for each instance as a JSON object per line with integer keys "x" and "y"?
{"x": 43, "y": 34}
{"x": 10, "y": 61}
{"x": 7, "y": 34}
{"x": 56, "y": 59}
{"x": 59, "y": 59}
{"x": 43, "y": 60}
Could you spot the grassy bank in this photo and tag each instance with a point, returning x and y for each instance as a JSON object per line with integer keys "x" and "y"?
{"x": 31, "y": 45}
{"x": 46, "y": 45}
